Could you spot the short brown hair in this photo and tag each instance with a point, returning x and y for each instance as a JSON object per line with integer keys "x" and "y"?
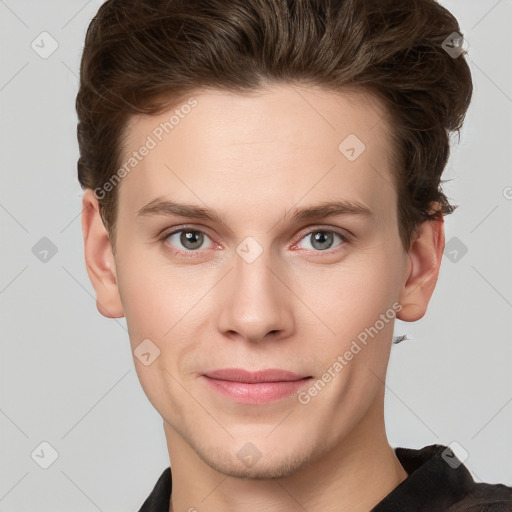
{"x": 140, "y": 56}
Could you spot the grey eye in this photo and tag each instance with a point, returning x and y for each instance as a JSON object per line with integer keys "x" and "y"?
{"x": 188, "y": 238}
{"x": 322, "y": 240}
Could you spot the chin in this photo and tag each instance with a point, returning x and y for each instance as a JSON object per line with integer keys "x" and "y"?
{"x": 256, "y": 461}
{"x": 267, "y": 470}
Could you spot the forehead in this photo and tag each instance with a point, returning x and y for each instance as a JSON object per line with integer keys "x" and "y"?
{"x": 280, "y": 144}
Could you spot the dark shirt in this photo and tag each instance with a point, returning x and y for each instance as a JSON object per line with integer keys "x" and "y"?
{"x": 437, "y": 482}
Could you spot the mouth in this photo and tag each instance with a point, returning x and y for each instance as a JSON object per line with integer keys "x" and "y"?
{"x": 258, "y": 387}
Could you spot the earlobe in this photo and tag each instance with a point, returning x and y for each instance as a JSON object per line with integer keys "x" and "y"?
{"x": 425, "y": 256}
{"x": 99, "y": 258}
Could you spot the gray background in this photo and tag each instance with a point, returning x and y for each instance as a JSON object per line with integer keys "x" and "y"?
{"x": 67, "y": 374}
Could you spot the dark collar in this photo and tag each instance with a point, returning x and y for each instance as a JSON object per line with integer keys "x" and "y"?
{"x": 436, "y": 481}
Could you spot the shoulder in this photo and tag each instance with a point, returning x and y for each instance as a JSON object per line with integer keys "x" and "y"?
{"x": 485, "y": 497}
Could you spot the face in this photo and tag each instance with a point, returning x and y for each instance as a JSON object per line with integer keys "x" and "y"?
{"x": 262, "y": 287}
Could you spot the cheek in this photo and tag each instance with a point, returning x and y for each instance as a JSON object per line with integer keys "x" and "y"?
{"x": 345, "y": 299}
{"x": 153, "y": 305}
{"x": 147, "y": 299}
{"x": 165, "y": 304}
{"x": 357, "y": 339}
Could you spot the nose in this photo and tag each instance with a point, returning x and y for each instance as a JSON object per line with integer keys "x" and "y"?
{"x": 256, "y": 300}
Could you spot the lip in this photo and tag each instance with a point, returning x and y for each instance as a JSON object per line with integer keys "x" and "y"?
{"x": 257, "y": 387}
{"x": 241, "y": 375}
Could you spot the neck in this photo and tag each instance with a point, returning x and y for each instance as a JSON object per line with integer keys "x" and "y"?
{"x": 352, "y": 476}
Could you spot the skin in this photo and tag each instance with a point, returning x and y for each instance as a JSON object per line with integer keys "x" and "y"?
{"x": 296, "y": 307}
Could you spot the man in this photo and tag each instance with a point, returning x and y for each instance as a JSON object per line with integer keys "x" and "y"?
{"x": 262, "y": 201}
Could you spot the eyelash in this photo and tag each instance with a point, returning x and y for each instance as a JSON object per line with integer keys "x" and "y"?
{"x": 189, "y": 254}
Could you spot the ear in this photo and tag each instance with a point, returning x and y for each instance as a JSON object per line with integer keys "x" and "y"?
{"x": 425, "y": 257}
{"x": 99, "y": 258}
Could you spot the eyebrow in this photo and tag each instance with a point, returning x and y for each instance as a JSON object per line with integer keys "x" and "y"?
{"x": 161, "y": 206}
